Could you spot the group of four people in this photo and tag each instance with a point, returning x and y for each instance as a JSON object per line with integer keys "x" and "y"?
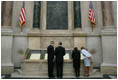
{"x": 59, "y": 52}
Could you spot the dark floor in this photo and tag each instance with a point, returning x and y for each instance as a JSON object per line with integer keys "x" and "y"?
{"x": 105, "y": 76}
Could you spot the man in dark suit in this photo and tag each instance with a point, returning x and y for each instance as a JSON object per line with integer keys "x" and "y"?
{"x": 76, "y": 61}
{"x": 59, "y": 53}
{"x": 50, "y": 51}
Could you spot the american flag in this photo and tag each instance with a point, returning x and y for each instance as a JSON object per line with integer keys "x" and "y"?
{"x": 91, "y": 14}
{"x": 22, "y": 18}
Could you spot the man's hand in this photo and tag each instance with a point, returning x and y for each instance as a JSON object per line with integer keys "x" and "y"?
{"x": 89, "y": 57}
{"x": 91, "y": 61}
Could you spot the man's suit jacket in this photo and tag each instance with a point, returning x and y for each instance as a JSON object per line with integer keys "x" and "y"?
{"x": 76, "y": 55}
{"x": 76, "y": 59}
{"x": 59, "y": 53}
{"x": 50, "y": 51}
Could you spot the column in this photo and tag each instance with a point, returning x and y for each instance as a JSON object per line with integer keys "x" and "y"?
{"x": 70, "y": 15}
{"x": 43, "y": 15}
{"x": 6, "y": 38}
{"x": 6, "y": 13}
{"x": 107, "y": 14}
{"x": 114, "y": 7}
{"x": 109, "y": 40}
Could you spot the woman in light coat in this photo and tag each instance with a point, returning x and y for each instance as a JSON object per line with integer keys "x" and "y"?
{"x": 87, "y": 60}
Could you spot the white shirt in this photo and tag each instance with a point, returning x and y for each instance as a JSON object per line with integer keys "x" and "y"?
{"x": 85, "y": 53}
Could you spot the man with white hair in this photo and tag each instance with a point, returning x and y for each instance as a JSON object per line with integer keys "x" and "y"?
{"x": 50, "y": 51}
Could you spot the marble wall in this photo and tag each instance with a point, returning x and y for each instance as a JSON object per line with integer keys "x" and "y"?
{"x": 34, "y": 43}
{"x": 66, "y": 41}
{"x": 94, "y": 43}
{"x": 20, "y": 44}
{"x": 29, "y": 17}
{"x": 86, "y": 25}
{"x": 79, "y": 42}
{"x": 6, "y": 53}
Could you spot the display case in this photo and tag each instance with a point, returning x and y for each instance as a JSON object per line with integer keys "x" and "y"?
{"x": 35, "y": 63}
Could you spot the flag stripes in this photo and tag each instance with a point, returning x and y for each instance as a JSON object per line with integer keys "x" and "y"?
{"x": 91, "y": 14}
{"x": 22, "y": 18}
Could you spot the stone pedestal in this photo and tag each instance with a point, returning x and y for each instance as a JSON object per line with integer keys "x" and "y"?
{"x": 109, "y": 41}
{"x": 40, "y": 68}
{"x": 6, "y": 51}
{"x": 109, "y": 46}
{"x": 107, "y": 68}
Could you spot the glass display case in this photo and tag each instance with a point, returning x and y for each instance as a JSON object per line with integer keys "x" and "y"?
{"x": 35, "y": 63}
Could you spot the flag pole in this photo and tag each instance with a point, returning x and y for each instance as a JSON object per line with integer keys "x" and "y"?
{"x": 92, "y": 26}
{"x": 21, "y": 29}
